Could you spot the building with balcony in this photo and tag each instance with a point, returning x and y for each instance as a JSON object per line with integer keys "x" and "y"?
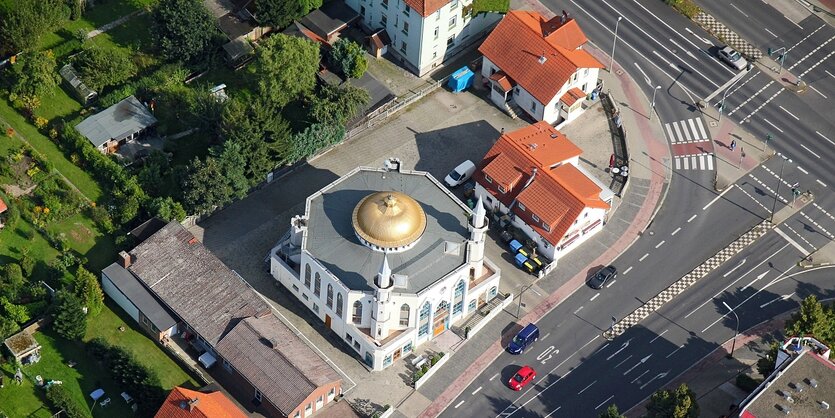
{"x": 424, "y": 33}
{"x": 388, "y": 259}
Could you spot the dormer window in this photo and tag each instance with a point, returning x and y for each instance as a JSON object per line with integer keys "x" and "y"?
{"x": 521, "y": 206}
{"x": 489, "y": 180}
{"x": 546, "y": 227}
{"x": 534, "y": 217}
{"x": 502, "y": 189}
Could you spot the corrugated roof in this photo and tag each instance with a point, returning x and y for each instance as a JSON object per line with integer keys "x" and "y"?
{"x": 266, "y": 351}
{"x": 522, "y": 37}
{"x": 208, "y": 405}
{"x": 136, "y": 292}
{"x": 194, "y": 283}
{"x": 117, "y": 122}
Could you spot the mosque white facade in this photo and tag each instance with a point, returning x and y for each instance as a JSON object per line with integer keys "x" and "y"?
{"x": 388, "y": 259}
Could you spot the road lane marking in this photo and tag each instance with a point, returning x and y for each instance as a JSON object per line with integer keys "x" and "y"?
{"x": 494, "y": 376}
{"x": 660, "y": 244}
{"x": 751, "y": 98}
{"x": 738, "y": 10}
{"x": 801, "y": 169}
{"x": 695, "y": 131}
{"x": 754, "y": 281}
{"x": 476, "y": 391}
{"x": 640, "y": 362}
{"x": 806, "y": 37}
{"x": 827, "y": 71}
{"x": 676, "y": 231}
{"x": 821, "y": 135}
{"x": 809, "y": 55}
{"x": 782, "y": 89}
{"x": 682, "y": 48}
{"x": 627, "y": 270}
{"x": 734, "y": 269}
{"x": 771, "y": 33}
{"x": 705, "y": 41}
{"x": 611, "y": 283}
{"x": 790, "y": 113}
{"x": 820, "y": 182}
{"x": 578, "y": 310}
{"x": 643, "y": 257}
{"x": 658, "y": 376}
{"x": 810, "y": 151}
{"x": 734, "y": 282}
{"x": 594, "y": 297}
{"x": 778, "y": 298}
{"x": 546, "y": 335}
{"x": 691, "y": 218}
{"x": 587, "y": 387}
{"x": 674, "y": 351}
{"x": 639, "y": 376}
{"x": 646, "y": 78}
{"x": 602, "y": 403}
{"x": 701, "y": 128}
{"x": 795, "y": 23}
{"x": 549, "y": 414}
{"x": 658, "y": 336}
{"x": 717, "y": 198}
{"x": 534, "y": 290}
{"x": 459, "y": 404}
{"x": 772, "y": 125}
{"x": 817, "y": 91}
{"x": 623, "y": 361}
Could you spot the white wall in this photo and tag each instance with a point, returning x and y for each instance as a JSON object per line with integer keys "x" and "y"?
{"x": 111, "y": 290}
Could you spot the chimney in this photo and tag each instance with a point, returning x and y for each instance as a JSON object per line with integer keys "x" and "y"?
{"x": 543, "y": 58}
{"x": 124, "y": 259}
{"x": 192, "y": 403}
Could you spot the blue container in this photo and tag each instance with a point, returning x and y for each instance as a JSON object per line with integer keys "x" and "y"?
{"x": 520, "y": 260}
{"x": 461, "y": 80}
{"x": 515, "y": 245}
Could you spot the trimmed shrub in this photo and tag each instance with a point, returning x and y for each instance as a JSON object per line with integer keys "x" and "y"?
{"x": 60, "y": 398}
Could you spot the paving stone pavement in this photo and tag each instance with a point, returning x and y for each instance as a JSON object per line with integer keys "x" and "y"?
{"x": 728, "y": 36}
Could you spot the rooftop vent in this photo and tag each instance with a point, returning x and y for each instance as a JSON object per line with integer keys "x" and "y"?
{"x": 798, "y": 387}
{"x": 542, "y": 58}
{"x": 786, "y": 395}
{"x": 784, "y": 409}
{"x": 812, "y": 382}
{"x": 554, "y": 136}
{"x": 824, "y": 405}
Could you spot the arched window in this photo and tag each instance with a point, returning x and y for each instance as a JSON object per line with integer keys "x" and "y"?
{"x": 329, "y": 300}
{"x": 317, "y": 285}
{"x": 357, "y": 316}
{"x": 339, "y": 305}
{"x": 458, "y": 298}
{"x": 424, "y": 319}
{"x": 404, "y": 315}
{"x": 307, "y": 275}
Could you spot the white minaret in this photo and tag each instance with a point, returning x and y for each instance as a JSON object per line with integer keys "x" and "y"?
{"x": 380, "y": 320}
{"x": 478, "y": 232}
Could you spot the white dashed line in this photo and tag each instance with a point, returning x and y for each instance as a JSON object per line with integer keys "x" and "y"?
{"x": 676, "y": 231}
{"x": 476, "y": 391}
{"x": 660, "y": 244}
{"x": 772, "y": 125}
{"x": 810, "y": 151}
{"x": 603, "y": 403}
{"x": 716, "y": 198}
{"x": 627, "y": 270}
{"x": 594, "y": 297}
{"x": 821, "y": 135}
{"x": 459, "y": 404}
{"x": 643, "y": 257}
{"x": 611, "y": 283}
{"x": 691, "y": 218}
{"x": 658, "y": 336}
{"x": 820, "y": 182}
{"x": 494, "y": 376}
{"x": 790, "y": 113}
{"x": 587, "y": 387}
{"x": 801, "y": 169}
{"x": 578, "y": 310}
{"x": 771, "y": 33}
{"x": 817, "y": 91}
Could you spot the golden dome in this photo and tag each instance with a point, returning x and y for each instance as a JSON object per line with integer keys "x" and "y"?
{"x": 389, "y": 220}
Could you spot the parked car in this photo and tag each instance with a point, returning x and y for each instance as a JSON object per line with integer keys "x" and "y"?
{"x": 460, "y": 174}
{"x": 522, "y": 377}
{"x": 523, "y": 339}
{"x": 605, "y": 275}
{"x": 732, "y": 57}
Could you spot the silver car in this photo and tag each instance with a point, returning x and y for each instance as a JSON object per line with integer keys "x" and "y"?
{"x": 732, "y": 57}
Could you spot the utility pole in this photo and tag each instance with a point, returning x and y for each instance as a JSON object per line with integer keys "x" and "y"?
{"x": 652, "y": 107}
{"x": 781, "y": 58}
{"x": 614, "y": 42}
{"x": 736, "y": 332}
{"x": 783, "y": 160}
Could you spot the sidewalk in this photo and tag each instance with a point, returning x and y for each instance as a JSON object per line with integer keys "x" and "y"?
{"x": 649, "y": 172}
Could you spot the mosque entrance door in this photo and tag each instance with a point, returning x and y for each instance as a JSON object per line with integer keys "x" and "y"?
{"x": 441, "y": 318}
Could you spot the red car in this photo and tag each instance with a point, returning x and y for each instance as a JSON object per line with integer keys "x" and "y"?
{"x": 522, "y": 377}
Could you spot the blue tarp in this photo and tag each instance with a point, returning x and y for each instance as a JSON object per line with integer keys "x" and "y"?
{"x": 461, "y": 80}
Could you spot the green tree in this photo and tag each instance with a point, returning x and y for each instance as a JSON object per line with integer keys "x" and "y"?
{"x": 36, "y": 76}
{"x": 311, "y": 140}
{"x": 349, "y": 56}
{"x": 232, "y": 162}
{"x": 70, "y": 321}
{"x": 27, "y": 264}
{"x": 166, "y": 209}
{"x": 23, "y": 24}
{"x": 7, "y": 327}
{"x": 87, "y": 288}
{"x": 100, "y": 67}
{"x": 206, "y": 186}
{"x": 335, "y": 105}
{"x": 280, "y": 13}
{"x": 611, "y": 412}
{"x": 259, "y": 129}
{"x": 286, "y": 68}
{"x": 184, "y": 29}
{"x": 680, "y": 403}
{"x": 11, "y": 281}
{"x": 17, "y": 313}
{"x": 812, "y": 319}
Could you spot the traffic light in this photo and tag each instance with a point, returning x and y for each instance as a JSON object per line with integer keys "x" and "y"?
{"x": 769, "y": 52}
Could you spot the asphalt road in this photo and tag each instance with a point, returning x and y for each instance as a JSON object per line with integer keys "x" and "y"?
{"x": 579, "y": 372}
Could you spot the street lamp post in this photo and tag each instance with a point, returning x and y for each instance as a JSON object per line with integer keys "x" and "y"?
{"x": 521, "y": 292}
{"x": 736, "y": 332}
{"x": 724, "y": 95}
{"x": 612, "y": 63}
{"x": 652, "y": 106}
{"x": 779, "y": 180}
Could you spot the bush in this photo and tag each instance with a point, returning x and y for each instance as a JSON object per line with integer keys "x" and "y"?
{"x": 747, "y": 383}
{"x": 70, "y": 321}
{"x": 59, "y": 398}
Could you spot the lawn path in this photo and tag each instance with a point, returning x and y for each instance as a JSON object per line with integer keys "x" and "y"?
{"x": 106, "y": 27}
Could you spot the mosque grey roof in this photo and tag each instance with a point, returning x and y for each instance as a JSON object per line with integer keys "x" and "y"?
{"x": 331, "y": 239}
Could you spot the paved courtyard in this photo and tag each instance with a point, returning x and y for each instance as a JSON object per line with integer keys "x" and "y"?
{"x": 433, "y": 135}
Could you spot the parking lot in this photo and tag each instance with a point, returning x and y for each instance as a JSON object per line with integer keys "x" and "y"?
{"x": 434, "y": 135}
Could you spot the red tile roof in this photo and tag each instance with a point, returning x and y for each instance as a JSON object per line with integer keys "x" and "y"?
{"x": 504, "y": 81}
{"x": 571, "y": 96}
{"x": 426, "y": 7}
{"x": 557, "y": 196}
{"x": 208, "y": 405}
{"x": 522, "y": 37}
{"x": 3, "y": 206}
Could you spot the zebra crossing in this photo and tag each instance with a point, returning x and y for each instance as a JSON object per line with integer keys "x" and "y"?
{"x": 692, "y": 148}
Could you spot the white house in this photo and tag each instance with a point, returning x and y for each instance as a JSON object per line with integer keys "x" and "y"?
{"x": 539, "y": 65}
{"x": 424, "y": 33}
{"x": 534, "y": 174}
{"x": 388, "y": 259}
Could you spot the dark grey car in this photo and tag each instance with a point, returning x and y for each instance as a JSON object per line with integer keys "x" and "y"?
{"x": 605, "y": 275}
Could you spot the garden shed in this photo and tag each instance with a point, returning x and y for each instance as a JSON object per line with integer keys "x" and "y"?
{"x": 23, "y": 347}
{"x": 118, "y": 124}
{"x": 79, "y": 89}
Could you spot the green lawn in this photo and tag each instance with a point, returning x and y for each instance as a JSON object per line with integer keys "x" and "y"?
{"x": 59, "y": 104}
{"x": 14, "y": 240}
{"x": 45, "y": 146}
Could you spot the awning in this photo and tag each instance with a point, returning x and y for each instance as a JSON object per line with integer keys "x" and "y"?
{"x": 207, "y": 360}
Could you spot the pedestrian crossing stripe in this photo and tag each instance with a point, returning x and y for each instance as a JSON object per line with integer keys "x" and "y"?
{"x": 686, "y": 131}
{"x": 694, "y": 162}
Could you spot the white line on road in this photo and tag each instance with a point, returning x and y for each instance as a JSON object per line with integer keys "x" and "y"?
{"x": 716, "y": 198}
{"x": 660, "y": 244}
{"x": 676, "y": 231}
{"x": 646, "y": 78}
{"x": 682, "y": 48}
{"x": 602, "y": 403}
{"x": 779, "y": 298}
{"x": 639, "y": 376}
{"x": 643, "y": 257}
{"x": 821, "y": 135}
{"x": 795, "y": 23}
{"x": 494, "y": 376}
{"x": 623, "y": 361}
{"x": 594, "y": 297}
{"x": 549, "y": 414}
{"x": 810, "y": 151}
{"x": 827, "y": 71}
{"x": 773, "y": 125}
{"x": 791, "y": 241}
{"x": 754, "y": 281}
{"x": 627, "y": 270}
{"x": 534, "y": 290}
{"x": 705, "y": 41}
{"x": 459, "y": 404}
{"x": 738, "y": 10}
{"x": 771, "y": 33}
{"x": 674, "y": 351}
{"x": 546, "y": 335}
{"x": 734, "y": 269}
{"x": 640, "y": 362}
{"x": 578, "y": 310}
{"x": 817, "y": 91}
{"x": 476, "y": 391}
{"x": 587, "y": 387}
{"x": 658, "y": 336}
{"x": 611, "y": 283}
{"x": 820, "y": 182}
{"x": 790, "y": 113}
{"x": 762, "y": 105}
{"x": 751, "y": 98}
{"x": 803, "y": 170}
{"x": 691, "y": 218}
